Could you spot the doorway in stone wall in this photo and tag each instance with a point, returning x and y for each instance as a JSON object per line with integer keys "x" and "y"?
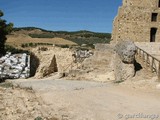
{"x": 153, "y": 34}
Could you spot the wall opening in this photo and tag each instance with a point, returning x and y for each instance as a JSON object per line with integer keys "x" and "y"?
{"x": 153, "y": 34}
{"x": 34, "y": 63}
{"x": 154, "y": 17}
{"x": 158, "y": 3}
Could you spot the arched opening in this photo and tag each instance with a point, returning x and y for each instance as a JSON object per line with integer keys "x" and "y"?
{"x": 153, "y": 34}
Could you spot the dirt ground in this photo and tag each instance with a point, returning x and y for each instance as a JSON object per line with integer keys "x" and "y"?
{"x": 79, "y": 100}
{"x": 21, "y": 104}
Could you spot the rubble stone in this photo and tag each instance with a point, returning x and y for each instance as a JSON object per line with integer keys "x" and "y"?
{"x": 15, "y": 66}
{"x": 80, "y": 55}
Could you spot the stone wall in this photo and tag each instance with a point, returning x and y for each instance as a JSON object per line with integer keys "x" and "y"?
{"x": 103, "y": 47}
{"x": 141, "y": 3}
{"x": 14, "y": 66}
{"x": 134, "y": 21}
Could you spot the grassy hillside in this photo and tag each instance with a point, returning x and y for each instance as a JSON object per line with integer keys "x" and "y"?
{"x": 79, "y": 37}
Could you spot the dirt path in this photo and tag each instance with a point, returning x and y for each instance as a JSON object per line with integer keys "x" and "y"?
{"x": 82, "y": 100}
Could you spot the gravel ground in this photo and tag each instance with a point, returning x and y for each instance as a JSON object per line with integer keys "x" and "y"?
{"x": 83, "y": 100}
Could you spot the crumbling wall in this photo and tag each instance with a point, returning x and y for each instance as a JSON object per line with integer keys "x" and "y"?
{"x": 62, "y": 60}
{"x": 47, "y": 70}
{"x": 96, "y": 67}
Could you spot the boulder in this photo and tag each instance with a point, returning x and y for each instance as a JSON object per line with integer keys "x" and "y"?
{"x": 124, "y": 60}
{"x": 126, "y": 51}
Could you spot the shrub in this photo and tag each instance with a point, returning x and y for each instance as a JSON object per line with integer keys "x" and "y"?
{"x": 38, "y": 118}
{"x": 62, "y": 46}
{"x": 43, "y": 35}
{"x": 5, "y": 29}
{"x": 13, "y": 50}
{"x": 24, "y": 45}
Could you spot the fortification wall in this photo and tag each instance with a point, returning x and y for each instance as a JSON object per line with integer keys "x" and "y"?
{"x": 141, "y": 3}
{"x": 134, "y": 21}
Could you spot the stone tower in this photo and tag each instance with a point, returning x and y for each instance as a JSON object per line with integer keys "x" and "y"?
{"x": 138, "y": 20}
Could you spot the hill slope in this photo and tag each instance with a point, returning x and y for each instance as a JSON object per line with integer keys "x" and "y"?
{"x": 79, "y": 37}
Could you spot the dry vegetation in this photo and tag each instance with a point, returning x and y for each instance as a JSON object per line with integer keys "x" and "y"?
{"x": 21, "y": 36}
{"x": 18, "y": 41}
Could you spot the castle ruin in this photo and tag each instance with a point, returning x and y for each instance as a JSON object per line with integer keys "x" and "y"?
{"x": 137, "y": 20}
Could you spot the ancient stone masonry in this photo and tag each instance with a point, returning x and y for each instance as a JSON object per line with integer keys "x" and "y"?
{"x": 15, "y": 66}
{"x": 138, "y": 20}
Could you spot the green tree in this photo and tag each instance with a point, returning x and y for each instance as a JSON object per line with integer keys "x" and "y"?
{"x": 5, "y": 29}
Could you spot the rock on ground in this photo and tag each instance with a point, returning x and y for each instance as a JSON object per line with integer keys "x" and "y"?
{"x": 124, "y": 60}
{"x": 126, "y": 51}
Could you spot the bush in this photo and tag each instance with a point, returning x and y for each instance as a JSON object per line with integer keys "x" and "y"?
{"x": 13, "y": 50}
{"x": 63, "y": 46}
{"x": 43, "y": 35}
{"x": 5, "y": 29}
{"x": 43, "y": 48}
{"x": 24, "y": 45}
{"x": 38, "y": 118}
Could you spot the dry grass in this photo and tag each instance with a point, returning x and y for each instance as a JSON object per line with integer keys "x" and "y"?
{"x": 21, "y": 39}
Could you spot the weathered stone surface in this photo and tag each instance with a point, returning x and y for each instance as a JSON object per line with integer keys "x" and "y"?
{"x": 134, "y": 21}
{"x": 124, "y": 60}
{"x": 15, "y": 66}
{"x": 126, "y": 51}
{"x": 122, "y": 70}
{"x": 47, "y": 70}
{"x": 97, "y": 66}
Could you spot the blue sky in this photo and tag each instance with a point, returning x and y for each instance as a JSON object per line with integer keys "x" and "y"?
{"x": 70, "y": 15}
